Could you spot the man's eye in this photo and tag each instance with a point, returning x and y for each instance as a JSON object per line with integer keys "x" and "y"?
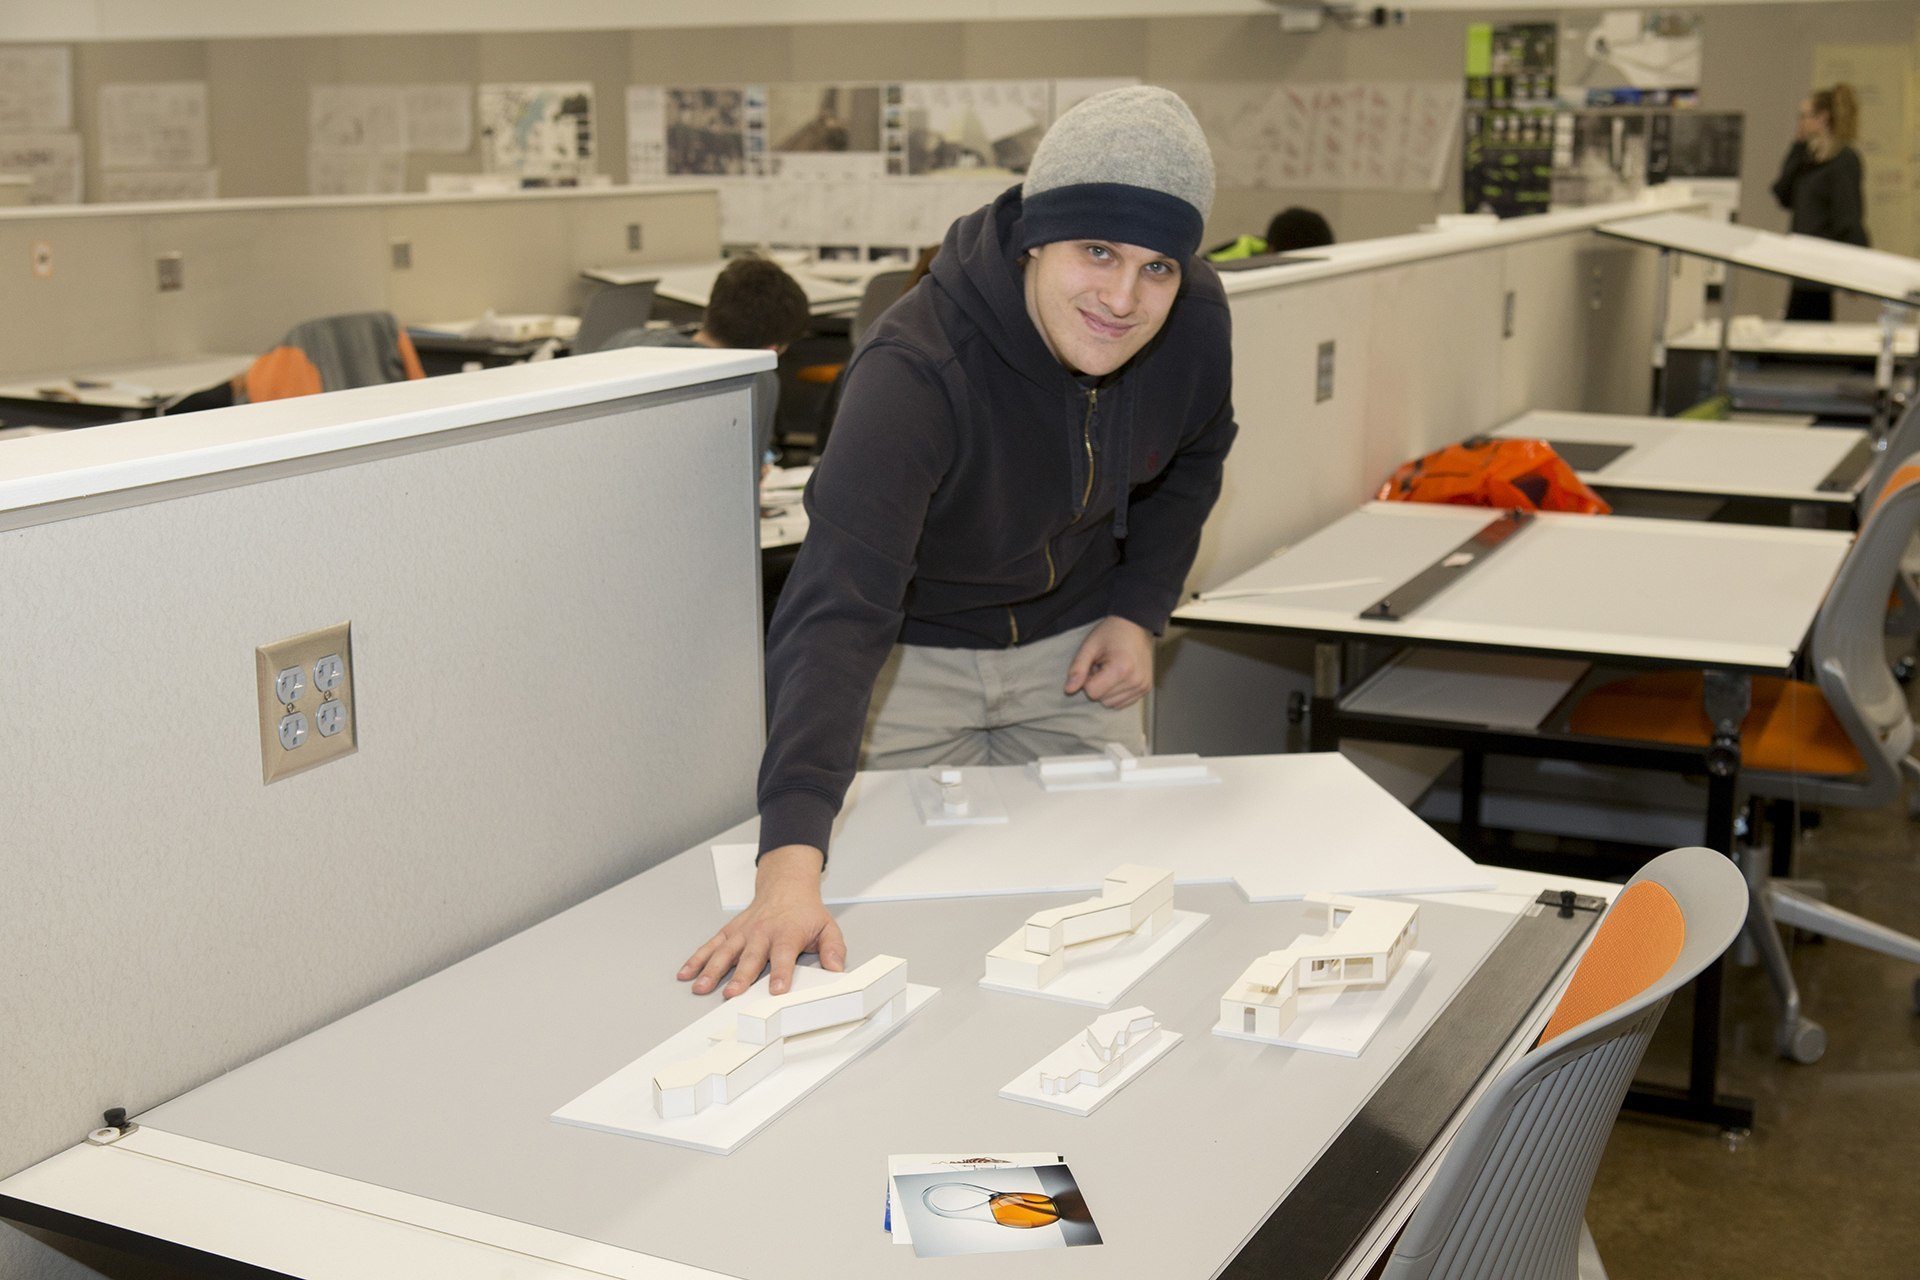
{"x": 1098, "y": 251}
{"x": 1160, "y": 268}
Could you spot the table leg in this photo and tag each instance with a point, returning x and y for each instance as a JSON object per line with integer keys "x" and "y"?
{"x": 1661, "y": 285}
{"x": 1323, "y": 730}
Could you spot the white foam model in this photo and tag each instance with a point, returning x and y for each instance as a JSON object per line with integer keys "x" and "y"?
{"x": 1133, "y": 900}
{"x": 1096, "y": 1064}
{"x": 754, "y": 1048}
{"x": 949, "y": 796}
{"x": 1366, "y": 942}
{"x": 1116, "y": 766}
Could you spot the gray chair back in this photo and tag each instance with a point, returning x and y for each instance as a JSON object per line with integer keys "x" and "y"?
{"x": 1510, "y": 1194}
{"x": 1902, "y": 441}
{"x": 882, "y": 291}
{"x": 611, "y": 309}
{"x": 1849, "y": 655}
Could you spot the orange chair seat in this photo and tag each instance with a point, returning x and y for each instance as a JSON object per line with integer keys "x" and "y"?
{"x": 1790, "y": 728}
{"x": 819, "y": 375}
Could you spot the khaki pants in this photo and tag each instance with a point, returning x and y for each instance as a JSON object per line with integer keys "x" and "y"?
{"x": 988, "y": 706}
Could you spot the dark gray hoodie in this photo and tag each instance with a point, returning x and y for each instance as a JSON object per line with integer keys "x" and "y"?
{"x": 969, "y": 498}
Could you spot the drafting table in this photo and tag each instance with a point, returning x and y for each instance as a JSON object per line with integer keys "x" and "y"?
{"x": 646, "y": 272}
{"x": 115, "y": 393}
{"x": 1889, "y": 277}
{"x": 1733, "y": 601}
{"x": 1781, "y": 467}
{"x": 783, "y": 519}
{"x": 693, "y": 285}
{"x": 1786, "y": 366}
{"x": 412, "y": 1137}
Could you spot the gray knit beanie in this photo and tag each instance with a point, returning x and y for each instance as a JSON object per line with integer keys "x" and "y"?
{"x": 1128, "y": 165}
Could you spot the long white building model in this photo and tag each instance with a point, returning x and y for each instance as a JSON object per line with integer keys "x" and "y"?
{"x": 1116, "y": 766}
{"x": 1366, "y": 941}
{"x": 755, "y": 1047}
{"x": 1133, "y": 900}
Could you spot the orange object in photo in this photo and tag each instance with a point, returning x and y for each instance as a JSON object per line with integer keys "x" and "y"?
{"x": 1524, "y": 475}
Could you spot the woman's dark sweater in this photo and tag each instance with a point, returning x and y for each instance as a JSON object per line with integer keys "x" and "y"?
{"x": 1823, "y": 195}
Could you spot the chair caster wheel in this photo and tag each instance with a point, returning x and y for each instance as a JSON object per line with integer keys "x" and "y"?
{"x": 1805, "y": 1042}
{"x": 1903, "y": 671}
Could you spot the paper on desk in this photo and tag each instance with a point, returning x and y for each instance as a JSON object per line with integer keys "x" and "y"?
{"x": 898, "y": 1165}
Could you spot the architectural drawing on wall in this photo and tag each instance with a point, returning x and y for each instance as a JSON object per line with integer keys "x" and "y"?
{"x": 824, "y": 117}
{"x": 359, "y": 135}
{"x": 1068, "y": 94}
{"x": 707, "y": 131}
{"x": 36, "y": 88}
{"x": 537, "y": 130}
{"x": 1117, "y": 766}
{"x": 356, "y": 173}
{"x": 646, "y": 133}
{"x": 949, "y": 796}
{"x": 1096, "y": 1063}
{"x": 961, "y": 126}
{"x": 1090, "y": 952}
{"x": 1334, "y": 136}
{"x": 51, "y": 160}
{"x": 1365, "y": 949}
{"x": 1625, "y": 56}
{"x": 1598, "y": 157}
{"x": 136, "y": 186}
{"x": 154, "y": 126}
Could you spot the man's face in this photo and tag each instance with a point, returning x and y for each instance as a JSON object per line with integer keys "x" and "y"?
{"x": 1097, "y": 303}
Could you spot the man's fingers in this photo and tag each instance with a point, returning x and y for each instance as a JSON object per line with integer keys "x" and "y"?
{"x": 746, "y": 970}
{"x": 719, "y": 959}
{"x": 1084, "y": 661}
{"x": 1109, "y": 681}
{"x": 781, "y": 957}
{"x": 832, "y": 948}
{"x": 698, "y": 959}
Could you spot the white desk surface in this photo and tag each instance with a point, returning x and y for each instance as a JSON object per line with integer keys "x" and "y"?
{"x": 1666, "y": 592}
{"x": 692, "y": 283}
{"x": 412, "y": 1137}
{"x": 1873, "y": 272}
{"x": 130, "y": 386}
{"x": 129, "y": 455}
{"x": 1798, "y": 338}
{"x": 1724, "y": 459}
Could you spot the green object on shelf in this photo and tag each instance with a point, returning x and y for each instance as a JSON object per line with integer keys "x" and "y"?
{"x": 1712, "y": 409}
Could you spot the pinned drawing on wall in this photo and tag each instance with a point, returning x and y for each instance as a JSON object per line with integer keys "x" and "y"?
{"x": 1350, "y": 135}
{"x": 647, "y": 133}
{"x": 536, "y": 130}
{"x": 36, "y": 88}
{"x": 1624, "y": 57}
{"x": 707, "y": 131}
{"x": 140, "y": 186}
{"x": 51, "y": 160}
{"x": 813, "y": 117}
{"x": 154, "y": 126}
{"x": 974, "y": 126}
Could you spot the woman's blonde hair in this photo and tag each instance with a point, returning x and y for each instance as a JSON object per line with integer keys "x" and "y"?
{"x": 1842, "y": 109}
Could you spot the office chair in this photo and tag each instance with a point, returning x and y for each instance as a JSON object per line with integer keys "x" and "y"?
{"x": 882, "y": 291}
{"x": 1510, "y": 1194}
{"x": 1903, "y": 613}
{"x": 359, "y": 349}
{"x": 1841, "y": 740}
{"x": 610, "y": 310}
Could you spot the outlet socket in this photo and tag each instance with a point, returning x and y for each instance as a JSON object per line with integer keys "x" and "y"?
{"x": 322, "y": 722}
{"x": 402, "y": 255}
{"x": 173, "y": 272}
{"x": 1506, "y": 315}
{"x": 633, "y": 237}
{"x": 1323, "y": 373}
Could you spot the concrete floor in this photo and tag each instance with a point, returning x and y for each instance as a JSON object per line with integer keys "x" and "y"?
{"x": 1825, "y": 1185}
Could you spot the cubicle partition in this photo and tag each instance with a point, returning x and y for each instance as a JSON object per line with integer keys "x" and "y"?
{"x": 89, "y": 291}
{"x": 551, "y": 577}
{"x": 1433, "y": 337}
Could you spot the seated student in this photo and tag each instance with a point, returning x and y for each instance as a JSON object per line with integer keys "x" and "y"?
{"x": 754, "y": 306}
{"x": 1291, "y": 228}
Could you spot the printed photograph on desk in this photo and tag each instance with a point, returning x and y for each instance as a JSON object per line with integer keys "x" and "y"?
{"x": 993, "y": 1208}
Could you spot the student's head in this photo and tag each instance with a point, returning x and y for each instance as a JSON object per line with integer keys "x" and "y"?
{"x": 1112, "y": 211}
{"x": 1297, "y": 228}
{"x": 755, "y": 304}
{"x": 1834, "y": 113}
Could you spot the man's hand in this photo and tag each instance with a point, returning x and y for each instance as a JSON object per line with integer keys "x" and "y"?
{"x": 1114, "y": 666}
{"x": 785, "y": 918}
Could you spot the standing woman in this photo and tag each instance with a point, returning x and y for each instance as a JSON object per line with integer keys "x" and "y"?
{"x": 1820, "y": 185}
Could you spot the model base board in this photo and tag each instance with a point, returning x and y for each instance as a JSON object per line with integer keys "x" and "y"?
{"x": 1098, "y": 973}
{"x": 1344, "y": 1022}
{"x": 1082, "y": 1074}
{"x": 623, "y": 1102}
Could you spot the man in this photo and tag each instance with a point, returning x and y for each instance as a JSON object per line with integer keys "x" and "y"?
{"x": 754, "y": 306}
{"x": 1012, "y": 495}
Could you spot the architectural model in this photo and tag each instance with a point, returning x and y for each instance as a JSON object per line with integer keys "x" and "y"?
{"x": 949, "y": 796}
{"x": 1366, "y": 941}
{"x": 1097, "y": 1055}
{"x": 1116, "y": 766}
{"x": 1133, "y": 900}
{"x": 755, "y": 1046}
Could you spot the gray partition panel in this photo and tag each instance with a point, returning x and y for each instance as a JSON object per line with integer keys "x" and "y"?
{"x": 444, "y": 1090}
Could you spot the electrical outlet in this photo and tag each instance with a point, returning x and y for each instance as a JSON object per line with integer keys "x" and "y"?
{"x": 1323, "y": 373}
{"x": 307, "y": 711}
{"x": 173, "y": 272}
{"x": 633, "y": 237}
{"x": 1506, "y": 316}
{"x": 402, "y": 255}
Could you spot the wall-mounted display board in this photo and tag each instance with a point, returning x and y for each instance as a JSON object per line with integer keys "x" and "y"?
{"x": 1617, "y": 57}
{"x": 537, "y": 130}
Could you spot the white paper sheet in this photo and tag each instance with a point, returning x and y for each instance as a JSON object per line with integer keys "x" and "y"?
{"x": 36, "y": 88}
{"x": 647, "y": 134}
{"x": 154, "y": 126}
{"x": 439, "y": 117}
{"x": 52, "y": 160}
{"x": 130, "y": 186}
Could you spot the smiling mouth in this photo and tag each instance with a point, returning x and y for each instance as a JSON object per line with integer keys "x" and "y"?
{"x": 1104, "y": 328}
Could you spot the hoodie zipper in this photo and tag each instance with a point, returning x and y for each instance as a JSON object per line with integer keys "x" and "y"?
{"x": 1086, "y": 442}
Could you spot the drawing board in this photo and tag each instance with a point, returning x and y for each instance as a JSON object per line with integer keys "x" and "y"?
{"x": 1873, "y": 272}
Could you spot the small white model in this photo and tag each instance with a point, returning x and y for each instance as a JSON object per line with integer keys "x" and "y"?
{"x": 756, "y": 1045}
{"x": 1097, "y": 1055}
{"x": 948, "y": 796}
{"x": 1366, "y": 941}
{"x": 1116, "y": 766}
{"x": 1133, "y": 900}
